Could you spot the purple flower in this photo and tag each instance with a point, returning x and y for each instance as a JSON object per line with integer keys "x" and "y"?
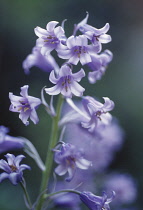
{"x": 46, "y": 63}
{"x": 97, "y": 36}
{"x": 98, "y": 147}
{"x": 66, "y": 200}
{"x": 98, "y": 65}
{"x": 9, "y": 142}
{"x": 26, "y": 105}
{"x": 124, "y": 186}
{"x": 77, "y": 49}
{"x": 94, "y": 202}
{"x": 50, "y": 38}
{"x": 13, "y": 171}
{"x": 97, "y": 112}
{"x": 66, "y": 82}
{"x": 69, "y": 159}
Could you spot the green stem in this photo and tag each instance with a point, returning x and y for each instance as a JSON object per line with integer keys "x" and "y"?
{"x": 26, "y": 194}
{"x": 63, "y": 191}
{"x": 49, "y": 160}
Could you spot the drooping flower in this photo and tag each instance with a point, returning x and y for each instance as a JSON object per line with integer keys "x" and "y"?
{"x": 66, "y": 82}
{"x": 66, "y": 200}
{"x": 26, "y": 105}
{"x": 124, "y": 186}
{"x": 69, "y": 158}
{"x": 77, "y": 49}
{"x": 99, "y": 65}
{"x": 8, "y": 142}
{"x": 46, "y": 63}
{"x": 50, "y": 38}
{"x": 97, "y": 112}
{"x": 13, "y": 171}
{"x": 98, "y": 147}
{"x": 94, "y": 202}
{"x": 96, "y": 36}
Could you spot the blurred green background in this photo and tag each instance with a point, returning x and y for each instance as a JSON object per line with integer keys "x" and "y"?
{"x": 122, "y": 81}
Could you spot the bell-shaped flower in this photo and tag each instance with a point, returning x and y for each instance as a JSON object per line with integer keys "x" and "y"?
{"x": 77, "y": 49}
{"x": 96, "y": 36}
{"x": 8, "y": 142}
{"x": 66, "y": 82}
{"x": 26, "y": 105}
{"x": 124, "y": 186}
{"x": 95, "y": 202}
{"x": 69, "y": 158}
{"x": 97, "y": 112}
{"x": 99, "y": 65}
{"x": 50, "y": 38}
{"x": 46, "y": 63}
{"x": 13, "y": 171}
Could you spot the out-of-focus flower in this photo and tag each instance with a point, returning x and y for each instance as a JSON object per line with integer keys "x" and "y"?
{"x": 124, "y": 186}
{"x": 98, "y": 147}
{"x": 94, "y": 202}
{"x": 77, "y": 49}
{"x": 26, "y": 105}
{"x": 50, "y": 38}
{"x": 9, "y": 142}
{"x": 97, "y": 112}
{"x": 69, "y": 159}
{"x": 99, "y": 65}
{"x": 66, "y": 82}
{"x": 66, "y": 200}
{"x": 46, "y": 63}
{"x": 13, "y": 171}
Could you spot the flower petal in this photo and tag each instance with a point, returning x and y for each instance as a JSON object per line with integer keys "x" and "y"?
{"x": 77, "y": 89}
{"x": 51, "y": 25}
{"x": 55, "y": 90}
{"x": 40, "y": 32}
{"x": 78, "y": 75}
{"x": 61, "y": 170}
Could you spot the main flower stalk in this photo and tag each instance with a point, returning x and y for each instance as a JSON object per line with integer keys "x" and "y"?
{"x": 49, "y": 160}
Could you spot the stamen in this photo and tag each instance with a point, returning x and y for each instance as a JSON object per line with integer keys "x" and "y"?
{"x": 19, "y": 109}
{"x": 26, "y": 108}
{"x": 13, "y": 168}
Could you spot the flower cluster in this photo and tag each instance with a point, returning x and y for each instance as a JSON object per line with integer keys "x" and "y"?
{"x": 89, "y": 135}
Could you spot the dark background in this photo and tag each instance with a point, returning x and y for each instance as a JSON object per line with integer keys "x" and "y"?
{"x": 122, "y": 82}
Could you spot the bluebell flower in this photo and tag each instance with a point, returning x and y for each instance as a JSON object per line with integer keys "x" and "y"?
{"x": 8, "y": 142}
{"x": 97, "y": 112}
{"x": 77, "y": 49}
{"x": 94, "y": 202}
{"x": 46, "y": 63}
{"x": 50, "y": 38}
{"x": 66, "y": 82}
{"x": 69, "y": 159}
{"x": 13, "y": 171}
{"x": 99, "y": 65}
{"x": 96, "y": 36}
{"x": 26, "y": 105}
{"x": 98, "y": 147}
{"x": 124, "y": 186}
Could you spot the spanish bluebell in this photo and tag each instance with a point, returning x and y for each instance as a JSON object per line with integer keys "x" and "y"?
{"x": 66, "y": 82}
{"x": 50, "y": 38}
{"x": 26, "y": 105}
{"x": 8, "y": 142}
{"x": 94, "y": 202}
{"x": 46, "y": 63}
{"x": 69, "y": 158}
{"x": 77, "y": 49}
{"x": 13, "y": 171}
{"x": 97, "y": 112}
